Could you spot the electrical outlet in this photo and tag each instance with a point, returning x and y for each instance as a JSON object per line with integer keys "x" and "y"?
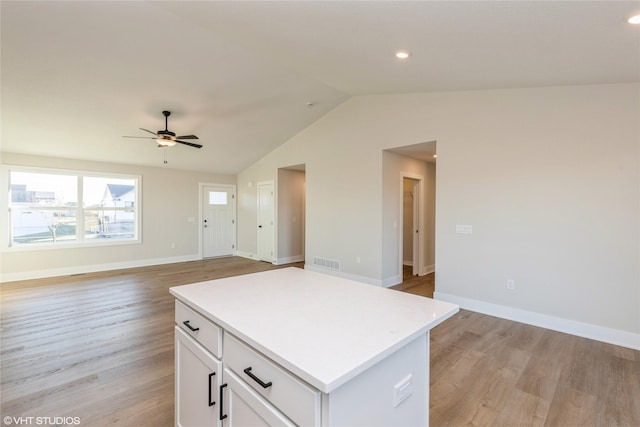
{"x": 511, "y": 284}
{"x": 402, "y": 390}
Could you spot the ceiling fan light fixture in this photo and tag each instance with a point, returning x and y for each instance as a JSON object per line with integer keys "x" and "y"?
{"x": 166, "y": 142}
{"x": 634, "y": 18}
{"x": 166, "y": 138}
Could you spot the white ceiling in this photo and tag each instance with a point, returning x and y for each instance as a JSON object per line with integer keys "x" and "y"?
{"x": 77, "y": 76}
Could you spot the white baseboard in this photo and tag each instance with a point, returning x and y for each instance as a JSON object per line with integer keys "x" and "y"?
{"x": 289, "y": 260}
{"x": 585, "y": 330}
{"x": 357, "y": 278}
{"x": 408, "y": 262}
{"x": 390, "y": 281}
{"x": 428, "y": 269}
{"x": 425, "y": 270}
{"x": 385, "y": 283}
{"x": 66, "y": 271}
{"x": 248, "y": 255}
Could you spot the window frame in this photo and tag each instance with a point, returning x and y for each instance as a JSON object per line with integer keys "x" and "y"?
{"x": 80, "y": 237}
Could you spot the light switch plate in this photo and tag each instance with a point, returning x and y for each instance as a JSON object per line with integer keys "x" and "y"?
{"x": 464, "y": 229}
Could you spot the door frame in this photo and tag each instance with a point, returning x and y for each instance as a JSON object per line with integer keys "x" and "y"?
{"x": 201, "y": 186}
{"x": 418, "y": 220}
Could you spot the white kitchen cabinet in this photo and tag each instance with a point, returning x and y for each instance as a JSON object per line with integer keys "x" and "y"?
{"x": 198, "y": 373}
{"x": 307, "y": 349}
{"x": 198, "y": 378}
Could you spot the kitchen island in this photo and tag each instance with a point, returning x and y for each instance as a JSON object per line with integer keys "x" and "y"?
{"x": 295, "y": 347}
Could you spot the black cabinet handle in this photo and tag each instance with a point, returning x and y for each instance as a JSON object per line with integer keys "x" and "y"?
{"x": 210, "y": 376}
{"x": 186, "y": 323}
{"x": 222, "y": 417}
{"x": 256, "y": 379}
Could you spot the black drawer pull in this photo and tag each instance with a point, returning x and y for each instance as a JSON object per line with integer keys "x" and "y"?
{"x": 211, "y": 403}
{"x": 186, "y": 323}
{"x": 222, "y": 417}
{"x": 256, "y": 379}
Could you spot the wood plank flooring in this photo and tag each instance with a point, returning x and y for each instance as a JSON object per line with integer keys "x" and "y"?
{"x": 417, "y": 285}
{"x": 100, "y": 347}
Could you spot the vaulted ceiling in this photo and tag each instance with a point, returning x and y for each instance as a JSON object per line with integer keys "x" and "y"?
{"x": 78, "y": 75}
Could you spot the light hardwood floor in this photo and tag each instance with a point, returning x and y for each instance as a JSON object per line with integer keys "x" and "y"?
{"x": 100, "y": 347}
{"x": 417, "y": 285}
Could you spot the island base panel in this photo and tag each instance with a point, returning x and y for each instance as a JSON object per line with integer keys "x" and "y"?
{"x": 370, "y": 399}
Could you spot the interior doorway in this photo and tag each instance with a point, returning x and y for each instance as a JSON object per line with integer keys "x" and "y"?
{"x": 291, "y": 214}
{"x": 412, "y": 232}
{"x": 266, "y": 221}
{"x": 411, "y": 224}
{"x": 415, "y": 195}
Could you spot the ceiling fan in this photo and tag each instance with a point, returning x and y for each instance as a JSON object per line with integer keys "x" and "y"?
{"x": 166, "y": 138}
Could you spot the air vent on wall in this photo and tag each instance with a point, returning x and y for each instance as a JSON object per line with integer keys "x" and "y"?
{"x": 331, "y": 264}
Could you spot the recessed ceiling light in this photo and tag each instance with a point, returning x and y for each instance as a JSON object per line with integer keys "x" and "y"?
{"x": 402, "y": 54}
{"x": 634, "y": 19}
{"x": 435, "y": 156}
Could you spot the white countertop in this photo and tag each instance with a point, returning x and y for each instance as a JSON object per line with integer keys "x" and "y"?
{"x": 324, "y": 329}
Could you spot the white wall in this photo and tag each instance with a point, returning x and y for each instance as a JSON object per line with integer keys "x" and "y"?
{"x": 339, "y": 186}
{"x": 169, "y": 198}
{"x": 548, "y": 178}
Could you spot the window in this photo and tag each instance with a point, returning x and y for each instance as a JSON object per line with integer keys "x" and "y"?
{"x": 54, "y": 208}
{"x": 217, "y": 197}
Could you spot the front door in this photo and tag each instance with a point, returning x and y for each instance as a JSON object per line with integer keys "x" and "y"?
{"x": 218, "y": 220}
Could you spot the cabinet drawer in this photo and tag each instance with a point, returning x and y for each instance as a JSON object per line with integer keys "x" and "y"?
{"x": 244, "y": 407}
{"x": 199, "y": 327}
{"x": 299, "y": 401}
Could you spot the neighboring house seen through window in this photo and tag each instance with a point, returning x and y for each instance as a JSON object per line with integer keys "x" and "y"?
{"x": 65, "y": 208}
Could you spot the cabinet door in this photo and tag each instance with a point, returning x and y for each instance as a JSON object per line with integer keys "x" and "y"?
{"x": 198, "y": 380}
{"x": 246, "y": 408}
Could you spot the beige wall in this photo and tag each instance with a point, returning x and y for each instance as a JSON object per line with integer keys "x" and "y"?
{"x": 169, "y": 198}
{"x": 548, "y": 178}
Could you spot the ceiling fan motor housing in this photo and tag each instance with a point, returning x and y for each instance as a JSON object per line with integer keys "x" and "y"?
{"x": 166, "y": 132}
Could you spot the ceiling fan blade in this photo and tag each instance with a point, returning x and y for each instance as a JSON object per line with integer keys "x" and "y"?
{"x": 144, "y": 137}
{"x": 187, "y": 137}
{"x": 191, "y": 144}
{"x": 147, "y": 130}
